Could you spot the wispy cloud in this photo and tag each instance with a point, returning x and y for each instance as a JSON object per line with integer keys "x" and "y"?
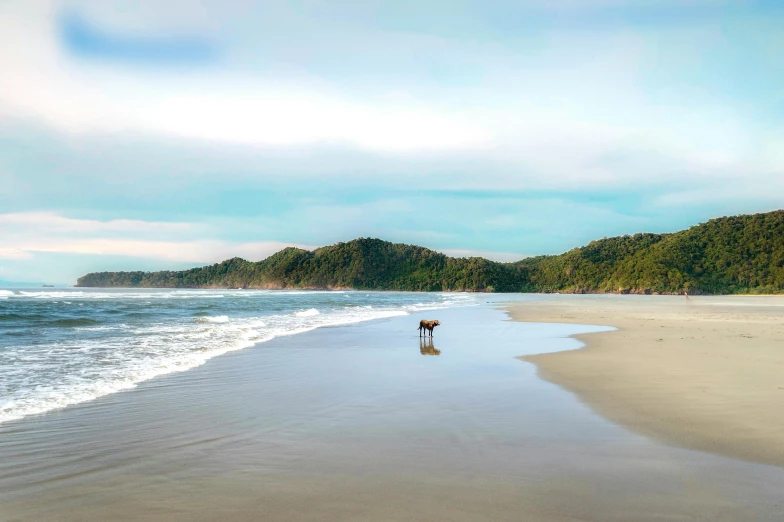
{"x": 197, "y": 252}
{"x": 25, "y": 234}
{"x": 229, "y": 107}
{"x": 572, "y": 111}
{"x": 51, "y": 222}
{"x": 14, "y": 253}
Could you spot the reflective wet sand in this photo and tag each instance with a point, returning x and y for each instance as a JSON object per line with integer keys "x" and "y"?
{"x": 367, "y": 422}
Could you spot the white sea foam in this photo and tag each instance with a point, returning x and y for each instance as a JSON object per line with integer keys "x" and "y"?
{"x": 111, "y": 365}
{"x": 41, "y": 377}
{"x": 100, "y": 295}
{"x": 307, "y": 292}
{"x": 213, "y": 319}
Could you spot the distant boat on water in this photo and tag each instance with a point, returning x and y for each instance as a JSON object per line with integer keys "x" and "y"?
{"x": 48, "y": 286}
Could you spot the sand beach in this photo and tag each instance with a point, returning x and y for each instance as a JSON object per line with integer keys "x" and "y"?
{"x": 369, "y": 422}
{"x": 705, "y": 372}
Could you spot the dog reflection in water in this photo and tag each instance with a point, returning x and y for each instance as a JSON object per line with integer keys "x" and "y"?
{"x": 426, "y": 346}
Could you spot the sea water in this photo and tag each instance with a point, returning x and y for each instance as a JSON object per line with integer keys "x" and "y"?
{"x": 60, "y": 347}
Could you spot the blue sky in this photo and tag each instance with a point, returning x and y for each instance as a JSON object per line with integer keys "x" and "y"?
{"x": 135, "y": 135}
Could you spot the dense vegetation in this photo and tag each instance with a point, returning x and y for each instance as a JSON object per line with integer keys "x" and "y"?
{"x": 361, "y": 264}
{"x": 741, "y": 254}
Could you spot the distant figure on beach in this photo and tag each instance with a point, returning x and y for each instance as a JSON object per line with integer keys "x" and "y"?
{"x": 425, "y": 326}
{"x": 426, "y": 346}
{"x": 686, "y": 295}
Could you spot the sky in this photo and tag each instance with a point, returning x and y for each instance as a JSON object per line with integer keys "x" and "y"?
{"x": 146, "y": 135}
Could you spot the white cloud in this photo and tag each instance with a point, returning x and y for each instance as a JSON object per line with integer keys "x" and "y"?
{"x": 14, "y": 253}
{"x": 224, "y": 107}
{"x": 55, "y": 223}
{"x": 25, "y": 234}
{"x": 203, "y": 251}
{"x": 764, "y": 195}
{"x": 569, "y": 111}
{"x": 263, "y": 116}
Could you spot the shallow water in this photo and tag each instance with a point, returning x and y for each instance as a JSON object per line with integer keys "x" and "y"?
{"x": 367, "y": 422}
{"x": 66, "y": 346}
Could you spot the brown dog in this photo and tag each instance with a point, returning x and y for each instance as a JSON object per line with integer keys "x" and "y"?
{"x": 427, "y": 325}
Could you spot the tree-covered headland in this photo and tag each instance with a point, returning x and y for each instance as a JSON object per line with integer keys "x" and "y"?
{"x": 730, "y": 255}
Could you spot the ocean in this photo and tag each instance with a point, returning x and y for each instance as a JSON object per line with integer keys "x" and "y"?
{"x": 60, "y": 347}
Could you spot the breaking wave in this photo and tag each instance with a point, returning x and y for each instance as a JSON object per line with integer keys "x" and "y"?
{"x": 64, "y": 348}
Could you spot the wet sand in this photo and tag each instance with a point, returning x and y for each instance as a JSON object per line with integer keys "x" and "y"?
{"x": 368, "y": 422}
{"x": 705, "y": 373}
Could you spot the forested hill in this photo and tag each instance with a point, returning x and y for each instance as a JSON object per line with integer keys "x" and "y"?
{"x": 740, "y": 254}
{"x": 362, "y": 264}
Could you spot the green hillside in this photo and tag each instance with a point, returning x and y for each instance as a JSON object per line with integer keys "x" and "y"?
{"x": 361, "y": 264}
{"x": 741, "y": 254}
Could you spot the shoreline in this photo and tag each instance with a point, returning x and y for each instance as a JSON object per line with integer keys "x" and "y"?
{"x": 359, "y": 422}
{"x": 274, "y": 287}
{"x": 700, "y": 374}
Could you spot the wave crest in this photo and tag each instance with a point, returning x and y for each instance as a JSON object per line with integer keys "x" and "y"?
{"x": 213, "y": 319}
{"x": 76, "y": 368}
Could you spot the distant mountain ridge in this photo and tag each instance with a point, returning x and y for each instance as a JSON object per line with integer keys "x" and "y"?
{"x": 729, "y": 255}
